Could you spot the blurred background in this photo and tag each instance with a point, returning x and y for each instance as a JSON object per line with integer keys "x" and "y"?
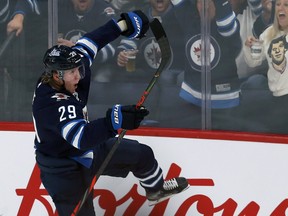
{"x": 207, "y": 84}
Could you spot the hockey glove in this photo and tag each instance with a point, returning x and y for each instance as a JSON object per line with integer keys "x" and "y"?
{"x": 137, "y": 24}
{"x": 126, "y": 117}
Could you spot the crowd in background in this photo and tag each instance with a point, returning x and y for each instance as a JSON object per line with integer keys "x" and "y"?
{"x": 219, "y": 73}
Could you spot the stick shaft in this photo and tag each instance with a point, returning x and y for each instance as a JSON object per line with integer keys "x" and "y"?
{"x": 163, "y": 42}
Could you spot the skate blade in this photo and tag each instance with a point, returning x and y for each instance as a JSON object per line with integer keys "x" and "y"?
{"x": 154, "y": 202}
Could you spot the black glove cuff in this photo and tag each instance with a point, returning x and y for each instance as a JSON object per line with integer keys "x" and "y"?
{"x": 130, "y": 28}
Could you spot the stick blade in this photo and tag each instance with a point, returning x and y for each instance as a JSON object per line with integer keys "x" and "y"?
{"x": 157, "y": 29}
{"x": 162, "y": 39}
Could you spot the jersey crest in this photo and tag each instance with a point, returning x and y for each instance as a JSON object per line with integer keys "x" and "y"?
{"x": 152, "y": 53}
{"x": 194, "y": 50}
{"x": 74, "y": 34}
{"x": 109, "y": 11}
{"x": 60, "y": 96}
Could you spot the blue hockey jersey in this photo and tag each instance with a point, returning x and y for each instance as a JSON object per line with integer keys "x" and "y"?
{"x": 73, "y": 25}
{"x": 60, "y": 121}
{"x": 225, "y": 46}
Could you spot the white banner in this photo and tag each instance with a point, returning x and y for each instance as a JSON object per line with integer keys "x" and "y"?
{"x": 226, "y": 178}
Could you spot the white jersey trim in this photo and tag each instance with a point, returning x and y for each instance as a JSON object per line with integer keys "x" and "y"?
{"x": 198, "y": 95}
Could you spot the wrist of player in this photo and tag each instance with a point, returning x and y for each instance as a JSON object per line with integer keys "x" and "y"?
{"x": 122, "y": 25}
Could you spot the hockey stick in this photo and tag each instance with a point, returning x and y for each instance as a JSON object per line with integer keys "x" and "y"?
{"x": 6, "y": 43}
{"x": 164, "y": 45}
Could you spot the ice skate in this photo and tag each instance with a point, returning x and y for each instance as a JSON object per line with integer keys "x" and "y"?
{"x": 170, "y": 188}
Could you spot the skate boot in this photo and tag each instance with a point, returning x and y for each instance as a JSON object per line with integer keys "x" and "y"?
{"x": 170, "y": 188}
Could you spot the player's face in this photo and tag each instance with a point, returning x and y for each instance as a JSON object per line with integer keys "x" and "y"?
{"x": 281, "y": 12}
{"x": 71, "y": 79}
{"x": 82, "y": 6}
{"x": 278, "y": 52}
{"x": 160, "y": 5}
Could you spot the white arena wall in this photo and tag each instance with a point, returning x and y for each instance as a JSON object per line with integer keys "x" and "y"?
{"x": 229, "y": 173}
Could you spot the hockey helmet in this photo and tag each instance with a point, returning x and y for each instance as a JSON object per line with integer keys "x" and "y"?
{"x": 60, "y": 58}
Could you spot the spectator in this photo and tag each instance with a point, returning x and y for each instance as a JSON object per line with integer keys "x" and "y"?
{"x": 274, "y": 48}
{"x": 30, "y": 21}
{"x": 253, "y": 20}
{"x": 225, "y": 46}
{"x": 265, "y": 19}
{"x": 247, "y": 12}
{"x": 6, "y": 9}
{"x": 127, "y": 5}
{"x": 36, "y": 10}
{"x": 76, "y": 18}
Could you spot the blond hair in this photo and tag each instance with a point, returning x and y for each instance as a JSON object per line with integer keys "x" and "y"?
{"x": 47, "y": 78}
{"x": 274, "y": 30}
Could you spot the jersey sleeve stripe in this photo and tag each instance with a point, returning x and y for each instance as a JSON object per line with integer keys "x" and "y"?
{"x": 229, "y": 31}
{"x": 69, "y": 127}
{"x": 77, "y": 137}
{"x": 227, "y": 20}
{"x": 85, "y": 53}
{"x": 89, "y": 45}
{"x": 107, "y": 52}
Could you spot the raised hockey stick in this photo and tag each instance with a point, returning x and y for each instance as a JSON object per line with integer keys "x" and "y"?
{"x": 164, "y": 45}
{"x": 6, "y": 43}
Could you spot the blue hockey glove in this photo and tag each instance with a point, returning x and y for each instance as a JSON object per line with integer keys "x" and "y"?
{"x": 137, "y": 24}
{"x": 126, "y": 117}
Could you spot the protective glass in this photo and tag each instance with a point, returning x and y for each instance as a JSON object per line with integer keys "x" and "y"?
{"x": 82, "y": 71}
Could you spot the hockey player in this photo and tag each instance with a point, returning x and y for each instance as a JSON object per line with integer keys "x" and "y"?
{"x": 69, "y": 148}
{"x": 30, "y": 21}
